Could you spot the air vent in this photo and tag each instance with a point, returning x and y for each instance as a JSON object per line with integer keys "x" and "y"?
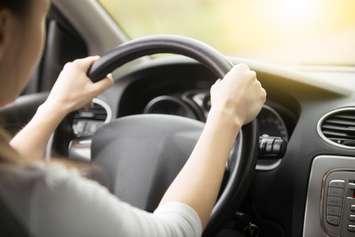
{"x": 86, "y": 122}
{"x": 338, "y": 128}
{"x": 99, "y": 111}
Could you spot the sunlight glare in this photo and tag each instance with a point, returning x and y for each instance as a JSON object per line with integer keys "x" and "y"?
{"x": 298, "y": 12}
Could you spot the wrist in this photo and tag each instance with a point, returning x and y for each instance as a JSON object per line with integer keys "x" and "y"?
{"x": 225, "y": 117}
{"x": 52, "y": 111}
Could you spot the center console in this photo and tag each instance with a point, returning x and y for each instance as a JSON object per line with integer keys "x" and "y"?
{"x": 330, "y": 206}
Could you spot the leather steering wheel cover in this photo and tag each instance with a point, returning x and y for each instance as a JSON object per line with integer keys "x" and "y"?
{"x": 135, "y": 49}
{"x": 242, "y": 172}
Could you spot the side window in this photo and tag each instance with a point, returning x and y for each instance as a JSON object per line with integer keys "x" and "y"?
{"x": 63, "y": 44}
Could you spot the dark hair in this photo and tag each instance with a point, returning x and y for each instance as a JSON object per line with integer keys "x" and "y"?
{"x": 17, "y": 6}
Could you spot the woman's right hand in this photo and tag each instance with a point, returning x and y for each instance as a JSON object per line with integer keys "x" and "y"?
{"x": 73, "y": 88}
{"x": 238, "y": 96}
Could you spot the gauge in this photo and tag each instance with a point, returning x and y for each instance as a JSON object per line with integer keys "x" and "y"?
{"x": 169, "y": 105}
{"x": 271, "y": 124}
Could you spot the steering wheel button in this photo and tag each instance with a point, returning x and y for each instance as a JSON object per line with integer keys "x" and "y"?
{"x": 335, "y": 201}
{"x": 333, "y": 220}
{"x": 352, "y": 218}
{"x": 337, "y": 192}
{"x": 333, "y": 211}
{"x": 337, "y": 183}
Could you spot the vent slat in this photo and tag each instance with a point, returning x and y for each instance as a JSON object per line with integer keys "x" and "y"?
{"x": 331, "y": 134}
{"x": 345, "y": 116}
{"x": 97, "y": 113}
{"x": 340, "y": 122}
{"x": 342, "y": 141}
{"x": 339, "y": 127}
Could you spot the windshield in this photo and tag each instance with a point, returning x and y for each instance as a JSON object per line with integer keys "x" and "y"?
{"x": 279, "y": 31}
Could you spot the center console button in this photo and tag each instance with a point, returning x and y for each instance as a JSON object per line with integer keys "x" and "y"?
{"x": 333, "y": 220}
{"x": 335, "y": 201}
{"x": 351, "y": 186}
{"x": 351, "y": 228}
{"x": 337, "y": 183}
{"x": 337, "y": 192}
{"x": 333, "y": 211}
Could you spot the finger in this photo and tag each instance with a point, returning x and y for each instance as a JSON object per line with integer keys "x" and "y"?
{"x": 81, "y": 60}
{"x": 110, "y": 76}
{"x": 263, "y": 95}
{"x": 258, "y": 84}
{"x": 242, "y": 67}
{"x": 236, "y": 70}
{"x": 252, "y": 74}
{"x": 103, "y": 85}
{"x": 86, "y": 63}
{"x": 217, "y": 82}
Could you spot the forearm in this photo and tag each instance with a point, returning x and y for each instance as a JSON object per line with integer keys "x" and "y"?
{"x": 199, "y": 181}
{"x": 31, "y": 141}
{"x": 72, "y": 90}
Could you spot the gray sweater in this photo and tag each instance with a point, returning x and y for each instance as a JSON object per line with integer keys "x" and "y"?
{"x": 53, "y": 201}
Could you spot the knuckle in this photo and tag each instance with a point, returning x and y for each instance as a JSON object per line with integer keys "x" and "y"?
{"x": 252, "y": 74}
{"x": 232, "y": 72}
{"x": 229, "y": 102}
{"x": 250, "y": 78}
{"x": 263, "y": 94}
{"x": 243, "y": 67}
{"x": 67, "y": 65}
{"x": 76, "y": 63}
{"x": 239, "y": 68}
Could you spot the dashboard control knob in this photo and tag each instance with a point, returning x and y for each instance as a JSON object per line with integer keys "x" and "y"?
{"x": 272, "y": 147}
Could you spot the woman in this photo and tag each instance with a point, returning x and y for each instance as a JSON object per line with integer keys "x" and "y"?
{"x": 54, "y": 200}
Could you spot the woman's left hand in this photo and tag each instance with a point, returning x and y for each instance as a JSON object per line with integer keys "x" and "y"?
{"x": 73, "y": 89}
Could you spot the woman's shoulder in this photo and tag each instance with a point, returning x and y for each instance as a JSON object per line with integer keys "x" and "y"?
{"x": 57, "y": 179}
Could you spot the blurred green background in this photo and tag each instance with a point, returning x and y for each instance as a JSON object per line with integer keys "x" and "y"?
{"x": 280, "y": 31}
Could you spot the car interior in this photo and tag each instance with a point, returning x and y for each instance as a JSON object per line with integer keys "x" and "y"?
{"x": 292, "y": 172}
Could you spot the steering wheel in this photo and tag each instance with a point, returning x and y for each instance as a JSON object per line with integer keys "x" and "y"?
{"x": 142, "y": 154}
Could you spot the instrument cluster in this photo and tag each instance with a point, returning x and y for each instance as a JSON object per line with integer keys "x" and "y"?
{"x": 272, "y": 130}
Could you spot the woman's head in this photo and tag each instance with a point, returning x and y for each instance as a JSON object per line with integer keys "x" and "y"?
{"x": 22, "y": 25}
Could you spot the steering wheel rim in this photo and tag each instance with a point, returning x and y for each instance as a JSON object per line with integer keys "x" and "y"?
{"x": 242, "y": 171}
{"x": 149, "y": 45}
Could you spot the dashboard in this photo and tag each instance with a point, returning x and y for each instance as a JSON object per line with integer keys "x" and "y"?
{"x": 290, "y": 128}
